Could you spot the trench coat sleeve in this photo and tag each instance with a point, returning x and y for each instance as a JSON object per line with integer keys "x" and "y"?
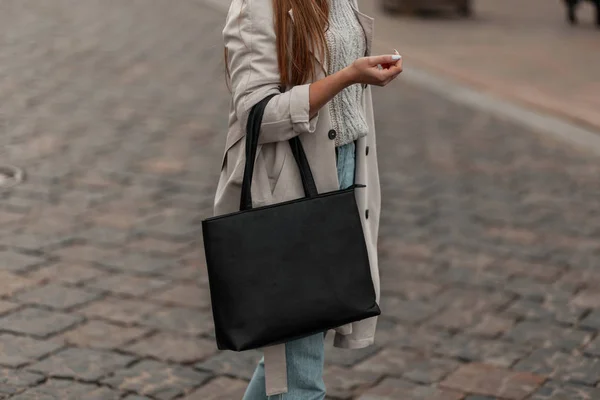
{"x": 250, "y": 42}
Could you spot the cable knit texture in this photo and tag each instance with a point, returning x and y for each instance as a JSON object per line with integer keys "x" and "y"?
{"x": 346, "y": 42}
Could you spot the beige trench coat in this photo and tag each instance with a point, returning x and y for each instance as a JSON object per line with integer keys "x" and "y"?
{"x": 249, "y": 37}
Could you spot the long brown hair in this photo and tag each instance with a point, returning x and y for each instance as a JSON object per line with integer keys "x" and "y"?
{"x": 295, "y": 57}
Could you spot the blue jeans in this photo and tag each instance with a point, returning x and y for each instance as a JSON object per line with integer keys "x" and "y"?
{"x": 305, "y": 360}
{"x": 306, "y": 356}
{"x": 346, "y": 164}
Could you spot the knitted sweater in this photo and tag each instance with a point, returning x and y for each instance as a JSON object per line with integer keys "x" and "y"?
{"x": 346, "y": 42}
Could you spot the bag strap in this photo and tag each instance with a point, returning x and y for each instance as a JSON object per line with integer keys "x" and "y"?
{"x": 308, "y": 181}
{"x": 252, "y": 133}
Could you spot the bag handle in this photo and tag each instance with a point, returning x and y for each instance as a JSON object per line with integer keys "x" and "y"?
{"x": 252, "y": 133}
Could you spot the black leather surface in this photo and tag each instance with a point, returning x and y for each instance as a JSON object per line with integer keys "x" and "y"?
{"x": 287, "y": 270}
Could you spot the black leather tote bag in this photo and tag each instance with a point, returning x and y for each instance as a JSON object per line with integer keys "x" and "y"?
{"x": 287, "y": 270}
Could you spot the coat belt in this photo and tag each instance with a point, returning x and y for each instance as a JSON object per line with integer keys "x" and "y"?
{"x": 275, "y": 370}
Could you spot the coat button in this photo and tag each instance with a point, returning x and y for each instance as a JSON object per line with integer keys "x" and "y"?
{"x": 367, "y": 151}
{"x": 332, "y": 134}
{"x": 367, "y": 214}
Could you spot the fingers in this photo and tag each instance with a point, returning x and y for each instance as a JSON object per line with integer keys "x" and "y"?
{"x": 385, "y": 76}
{"x": 392, "y": 72}
{"x": 385, "y": 59}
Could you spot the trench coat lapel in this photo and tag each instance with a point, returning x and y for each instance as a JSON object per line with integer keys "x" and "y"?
{"x": 368, "y": 25}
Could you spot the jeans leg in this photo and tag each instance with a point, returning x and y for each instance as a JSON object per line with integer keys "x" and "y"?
{"x": 305, "y": 361}
{"x": 256, "y": 389}
{"x": 346, "y": 164}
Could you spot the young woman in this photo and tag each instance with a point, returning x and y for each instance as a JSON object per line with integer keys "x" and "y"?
{"x": 316, "y": 56}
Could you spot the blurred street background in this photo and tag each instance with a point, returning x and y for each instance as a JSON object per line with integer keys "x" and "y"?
{"x": 490, "y": 234}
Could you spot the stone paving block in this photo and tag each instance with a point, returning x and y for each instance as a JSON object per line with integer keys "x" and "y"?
{"x": 127, "y": 285}
{"x": 454, "y": 319}
{"x": 95, "y": 180}
{"x": 592, "y": 320}
{"x": 101, "y": 335}
{"x": 430, "y": 370}
{"x": 491, "y": 326}
{"x": 562, "y": 366}
{"x": 6, "y": 307}
{"x": 38, "y": 322}
{"x": 221, "y": 388}
{"x": 472, "y": 277}
{"x": 388, "y": 331}
{"x": 14, "y": 381}
{"x": 81, "y": 201}
{"x": 115, "y": 219}
{"x": 558, "y": 310}
{"x": 8, "y": 218}
{"x": 494, "y": 352}
{"x": 56, "y": 296}
{"x": 68, "y": 390}
{"x": 184, "y": 295}
{"x": 104, "y": 236}
{"x": 156, "y": 246}
{"x": 84, "y": 364}
{"x": 463, "y": 258}
{"x": 161, "y": 381}
{"x": 389, "y": 361}
{"x": 537, "y": 291}
{"x": 588, "y": 298}
{"x": 472, "y": 299}
{"x": 396, "y": 284}
{"x": 16, "y": 351}
{"x": 35, "y": 242}
{"x": 17, "y": 204}
{"x": 70, "y": 273}
{"x": 17, "y": 262}
{"x": 394, "y": 389}
{"x": 558, "y": 391}
{"x": 176, "y": 228}
{"x": 240, "y": 365}
{"x": 541, "y": 272}
{"x": 124, "y": 311}
{"x": 182, "y": 320}
{"x": 543, "y": 334}
{"x": 582, "y": 277}
{"x": 409, "y": 311}
{"x": 179, "y": 349}
{"x": 402, "y": 250}
{"x": 423, "y": 340}
{"x": 84, "y": 253}
{"x": 477, "y": 397}
{"x": 513, "y": 235}
{"x": 492, "y": 381}
{"x": 11, "y": 283}
{"x": 135, "y": 397}
{"x": 410, "y": 269}
{"x": 593, "y": 348}
{"x": 133, "y": 263}
{"x": 188, "y": 273}
{"x": 342, "y": 383}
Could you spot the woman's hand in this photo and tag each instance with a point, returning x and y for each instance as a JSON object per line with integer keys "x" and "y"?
{"x": 365, "y": 70}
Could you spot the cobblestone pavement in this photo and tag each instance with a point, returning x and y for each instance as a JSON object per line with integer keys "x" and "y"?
{"x": 489, "y": 249}
{"x": 523, "y": 51}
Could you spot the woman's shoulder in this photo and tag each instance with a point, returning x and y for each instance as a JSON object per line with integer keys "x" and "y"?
{"x": 251, "y": 8}
{"x": 249, "y": 17}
